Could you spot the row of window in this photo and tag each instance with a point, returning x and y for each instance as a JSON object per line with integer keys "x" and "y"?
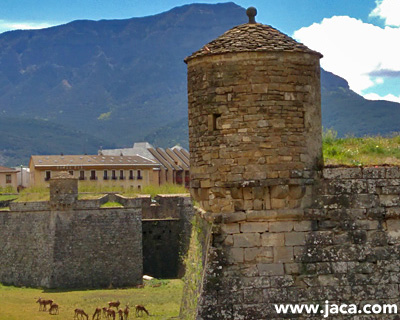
{"x": 106, "y": 176}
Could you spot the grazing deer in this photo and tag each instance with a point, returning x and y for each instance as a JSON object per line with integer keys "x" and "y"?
{"x": 43, "y": 304}
{"x": 126, "y": 312}
{"x": 114, "y": 304}
{"x": 80, "y": 312}
{"x": 140, "y": 308}
{"x": 53, "y": 308}
{"x": 104, "y": 309}
{"x": 121, "y": 314}
{"x": 97, "y": 314}
{"x": 110, "y": 314}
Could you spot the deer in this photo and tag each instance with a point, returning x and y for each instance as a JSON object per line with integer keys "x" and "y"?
{"x": 126, "y": 312}
{"x": 97, "y": 314}
{"x": 43, "y": 304}
{"x": 53, "y": 308}
{"x": 110, "y": 314}
{"x": 80, "y": 312}
{"x": 104, "y": 309}
{"x": 140, "y": 308}
{"x": 121, "y": 314}
{"x": 114, "y": 304}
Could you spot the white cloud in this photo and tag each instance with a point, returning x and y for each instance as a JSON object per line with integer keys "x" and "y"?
{"x": 354, "y": 50}
{"x": 388, "y": 97}
{"x": 389, "y": 10}
{"x": 13, "y": 25}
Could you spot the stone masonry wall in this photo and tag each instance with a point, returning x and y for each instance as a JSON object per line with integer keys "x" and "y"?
{"x": 252, "y": 116}
{"x": 166, "y": 236}
{"x": 83, "y": 245}
{"x": 72, "y": 248}
{"x": 343, "y": 247}
{"x": 97, "y": 248}
{"x": 26, "y": 248}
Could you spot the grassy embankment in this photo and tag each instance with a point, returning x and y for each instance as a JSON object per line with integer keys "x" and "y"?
{"x": 366, "y": 151}
{"x": 162, "y": 302}
{"x": 88, "y": 191}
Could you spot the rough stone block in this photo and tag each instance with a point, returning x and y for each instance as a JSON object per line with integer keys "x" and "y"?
{"x": 342, "y": 173}
{"x": 247, "y": 240}
{"x": 393, "y": 173}
{"x": 279, "y": 203}
{"x": 272, "y": 239}
{"x": 279, "y": 192}
{"x": 302, "y": 226}
{"x": 374, "y": 173}
{"x": 281, "y": 226}
{"x": 283, "y": 254}
{"x": 292, "y": 268}
{"x": 295, "y": 238}
{"x": 236, "y": 255}
{"x": 270, "y": 269}
{"x": 230, "y": 228}
{"x": 259, "y": 254}
{"x": 254, "y": 227}
{"x": 296, "y": 192}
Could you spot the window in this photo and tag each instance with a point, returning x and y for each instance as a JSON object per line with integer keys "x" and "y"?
{"x": 71, "y": 173}
{"x": 139, "y": 187}
{"x": 48, "y": 175}
{"x": 105, "y": 176}
{"x": 82, "y": 175}
{"x": 214, "y": 122}
{"x": 139, "y": 175}
{"x": 113, "y": 176}
{"x": 121, "y": 174}
{"x": 131, "y": 175}
{"x": 93, "y": 175}
{"x": 8, "y": 178}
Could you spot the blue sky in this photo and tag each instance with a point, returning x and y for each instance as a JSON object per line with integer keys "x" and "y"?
{"x": 358, "y": 38}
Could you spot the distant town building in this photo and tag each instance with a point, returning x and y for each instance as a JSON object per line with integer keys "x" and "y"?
{"x": 134, "y": 171}
{"x": 8, "y": 178}
{"x": 174, "y": 161}
{"x": 23, "y": 176}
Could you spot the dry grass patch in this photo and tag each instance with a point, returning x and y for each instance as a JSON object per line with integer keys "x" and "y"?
{"x": 162, "y": 301}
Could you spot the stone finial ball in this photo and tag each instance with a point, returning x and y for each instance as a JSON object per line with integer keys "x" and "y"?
{"x": 251, "y": 13}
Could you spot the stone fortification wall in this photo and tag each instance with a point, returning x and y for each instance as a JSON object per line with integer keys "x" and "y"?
{"x": 252, "y": 116}
{"x": 344, "y": 247}
{"x": 97, "y": 248}
{"x": 166, "y": 236}
{"x": 72, "y": 248}
{"x": 79, "y": 244}
{"x": 26, "y": 248}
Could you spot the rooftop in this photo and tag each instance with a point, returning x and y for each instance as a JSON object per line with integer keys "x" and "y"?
{"x": 252, "y": 37}
{"x": 91, "y": 160}
{"x": 7, "y": 170}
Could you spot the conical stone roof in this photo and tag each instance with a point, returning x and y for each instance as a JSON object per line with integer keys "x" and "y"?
{"x": 250, "y": 37}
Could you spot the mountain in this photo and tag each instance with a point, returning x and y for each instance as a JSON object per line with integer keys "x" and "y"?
{"x": 114, "y": 82}
{"x": 120, "y": 80}
{"x": 348, "y": 113}
{"x": 19, "y": 138}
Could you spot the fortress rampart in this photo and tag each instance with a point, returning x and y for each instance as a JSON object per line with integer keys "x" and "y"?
{"x": 70, "y": 243}
{"x": 274, "y": 225}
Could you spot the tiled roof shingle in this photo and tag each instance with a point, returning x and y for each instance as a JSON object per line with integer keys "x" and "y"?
{"x": 251, "y": 37}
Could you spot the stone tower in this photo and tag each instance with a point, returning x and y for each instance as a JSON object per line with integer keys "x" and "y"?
{"x": 63, "y": 190}
{"x": 255, "y": 148}
{"x": 254, "y": 119}
{"x": 276, "y": 228}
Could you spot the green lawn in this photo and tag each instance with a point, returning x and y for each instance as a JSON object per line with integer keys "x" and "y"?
{"x": 364, "y": 151}
{"x": 5, "y": 197}
{"x": 162, "y": 302}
